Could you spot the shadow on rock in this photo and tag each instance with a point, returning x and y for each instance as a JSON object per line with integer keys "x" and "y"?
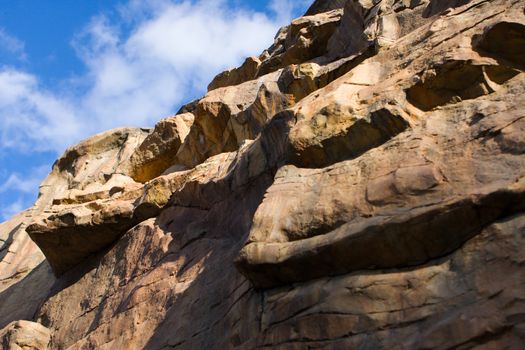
{"x": 21, "y": 300}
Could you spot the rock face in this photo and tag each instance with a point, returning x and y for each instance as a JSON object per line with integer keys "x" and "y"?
{"x": 88, "y": 199}
{"x": 157, "y": 153}
{"x": 359, "y": 185}
{"x": 24, "y": 335}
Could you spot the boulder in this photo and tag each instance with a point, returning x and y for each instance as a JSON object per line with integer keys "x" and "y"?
{"x": 247, "y": 71}
{"x": 157, "y": 152}
{"x": 25, "y": 335}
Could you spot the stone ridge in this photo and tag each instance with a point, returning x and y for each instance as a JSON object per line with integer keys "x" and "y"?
{"x": 359, "y": 184}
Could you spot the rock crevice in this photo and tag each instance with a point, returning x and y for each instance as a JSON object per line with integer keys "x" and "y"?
{"x": 359, "y": 184}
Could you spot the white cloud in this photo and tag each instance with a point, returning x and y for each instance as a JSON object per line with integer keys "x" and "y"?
{"x": 11, "y": 44}
{"x": 172, "y": 51}
{"x": 32, "y": 118}
{"x": 169, "y": 51}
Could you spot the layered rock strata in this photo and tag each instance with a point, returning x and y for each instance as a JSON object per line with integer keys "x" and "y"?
{"x": 359, "y": 185}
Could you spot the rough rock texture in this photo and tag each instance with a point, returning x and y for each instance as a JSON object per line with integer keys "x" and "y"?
{"x": 359, "y": 185}
{"x": 157, "y": 153}
{"x": 25, "y": 277}
{"x": 225, "y": 118}
{"x": 247, "y": 71}
{"x": 24, "y": 335}
{"x": 88, "y": 199}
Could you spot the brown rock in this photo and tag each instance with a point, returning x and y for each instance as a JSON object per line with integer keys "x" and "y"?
{"x": 25, "y": 276}
{"x": 304, "y": 39}
{"x": 88, "y": 190}
{"x": 18, "y": 254}
{"x": 74, "y": 233}
{"x": 247, "y": 71}
{"x": 24, "y": 335}
{"x": 368, "y": 192}
{"x": 157, "y": 152}
{"x": 226, "y": 117}
{"x": 323, "y": 230}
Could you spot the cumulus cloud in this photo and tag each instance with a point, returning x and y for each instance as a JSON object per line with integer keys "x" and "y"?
{"x": 33, "y": 118}
{"x": 158, "y": 55}
{"x": 139, "y": 67}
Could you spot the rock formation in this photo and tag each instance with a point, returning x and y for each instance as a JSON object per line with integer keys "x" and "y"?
{"x": 25, "y": 335}
{"x": 359, "y": 185}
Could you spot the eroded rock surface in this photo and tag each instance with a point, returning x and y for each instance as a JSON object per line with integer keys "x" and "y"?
{"x": 359, "y": 185}
{"x": 24, "y": 335}
{"x": 157, "y": 153}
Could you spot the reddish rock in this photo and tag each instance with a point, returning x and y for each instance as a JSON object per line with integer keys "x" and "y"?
{"x": 359, "y": 185}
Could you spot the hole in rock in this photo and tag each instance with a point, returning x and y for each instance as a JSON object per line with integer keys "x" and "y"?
{"x": 504, "y": 41}
{"x": 455, "y": 81}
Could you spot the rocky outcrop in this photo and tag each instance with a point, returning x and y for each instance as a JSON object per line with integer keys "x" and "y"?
{"x": 225, "y": 118}
{"x": 157, "y": 153}
{"x": 87, "y": 200}
{"x": 25, "y": 276}
{"x": 24, "y": 335}
{"x": 247, "y": 71}
{"x": 18, "y": 254}
{"x": 360, "y": 184}
{"x": 304, "y": 39}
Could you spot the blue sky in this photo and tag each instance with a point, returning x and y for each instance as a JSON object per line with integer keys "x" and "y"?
{"x": 69, "y": 69}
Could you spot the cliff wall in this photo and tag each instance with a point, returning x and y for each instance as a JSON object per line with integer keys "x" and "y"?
{"x": 359, "y": 185}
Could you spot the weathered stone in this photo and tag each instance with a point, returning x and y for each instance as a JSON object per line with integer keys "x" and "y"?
{"x": 226, "y": 117}
{"x": 157, "y": 152}
{"x": 356, "y": 32}
{"x": 88, "y": 188}
{"x": 456, "y": 81}
{"x": 18, "y": 254}
{"x": 247, "y": 71}
{"x": 74, "y": 233}
{"x": 304, "y": 39}
{"x": 25, "y": 277}
{"x": 247, "y": 125}
{"x": 319, "y": 238}
{"x": 458, "y": 300}
{"x": 505, "y": 42}
{"x": 24, "y": 335}
{"x": 367, "y": 193}
{"x": 436, "y": 7}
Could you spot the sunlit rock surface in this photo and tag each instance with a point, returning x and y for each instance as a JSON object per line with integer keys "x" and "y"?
{"x": 359, "y": 185}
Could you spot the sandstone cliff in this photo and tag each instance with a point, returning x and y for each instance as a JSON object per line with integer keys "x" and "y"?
{"x": 359, "y": 185}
